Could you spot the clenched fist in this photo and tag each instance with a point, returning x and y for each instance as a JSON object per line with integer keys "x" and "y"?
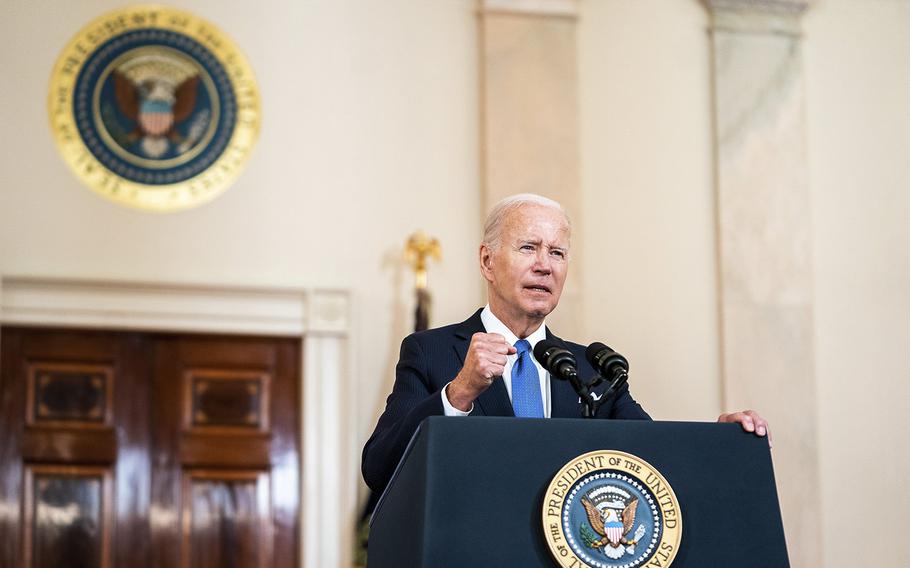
{"x": 486, "y": 360}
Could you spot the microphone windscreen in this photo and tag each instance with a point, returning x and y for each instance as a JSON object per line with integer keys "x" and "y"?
{"x": 593, "y": 350}
{"x": 540, "y": 350}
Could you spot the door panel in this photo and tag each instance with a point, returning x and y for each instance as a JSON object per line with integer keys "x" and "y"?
{"x": 227, "y": 401}
{"x": 137, "y": 449}
{"x": 68, "y": 520}
{"x": 69, "y": 395}
{"x": 226, "y": 435}
{"x": 59, "y": 448}
{"x": 69, "y": 412}
{"x": 226, "y": 519}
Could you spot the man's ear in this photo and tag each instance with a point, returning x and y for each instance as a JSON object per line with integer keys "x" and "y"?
{"x": 486, "y": 262}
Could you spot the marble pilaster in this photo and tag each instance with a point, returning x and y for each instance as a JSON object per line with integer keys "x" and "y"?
{"x": 529, "y": 115}
{"x": 763, "y": 217}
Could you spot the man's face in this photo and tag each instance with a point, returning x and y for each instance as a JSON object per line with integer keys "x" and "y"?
{"x": 526, "y": 273}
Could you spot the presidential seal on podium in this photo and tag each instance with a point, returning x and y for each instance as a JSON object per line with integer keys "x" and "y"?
{"x": 610, "y": 509}
{"x": 154, "y": 108}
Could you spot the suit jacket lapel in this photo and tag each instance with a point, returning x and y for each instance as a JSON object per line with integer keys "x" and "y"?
{"x": 495, "y": 400}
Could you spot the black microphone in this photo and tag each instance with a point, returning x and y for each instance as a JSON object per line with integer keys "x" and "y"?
{"x": 605, "y": 361}
{"x": 557, "y": 360}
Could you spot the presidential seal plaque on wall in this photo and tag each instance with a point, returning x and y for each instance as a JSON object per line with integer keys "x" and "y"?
{"x": 154, "y": 108}
{"x": 610, "y": 509}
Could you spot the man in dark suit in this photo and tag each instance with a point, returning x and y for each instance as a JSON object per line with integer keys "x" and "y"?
{"x": 484, "y": 366}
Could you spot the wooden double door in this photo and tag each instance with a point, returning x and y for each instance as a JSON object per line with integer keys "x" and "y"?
{"x": 148, "y": 450}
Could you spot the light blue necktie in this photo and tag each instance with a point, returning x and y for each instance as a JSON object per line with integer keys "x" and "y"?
{"x": 526, "y": 384}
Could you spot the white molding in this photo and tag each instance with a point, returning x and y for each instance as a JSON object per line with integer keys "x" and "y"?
{"x": 562, "y": 8}
{"x": 153, "y": 306}
{"x": 321, "y": 317}
{"x": 776, "y": 6}
{"x": 769, "y": 17}
{"x": 329, "y": 472}
{"x": 757, "y": 23}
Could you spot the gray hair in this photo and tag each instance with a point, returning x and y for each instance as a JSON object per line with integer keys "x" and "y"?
{"x": 492, "y": 229}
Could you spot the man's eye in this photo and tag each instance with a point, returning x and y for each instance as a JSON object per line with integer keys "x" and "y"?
{"x": 527, "y": 247}
{"x": 558, "y": 253}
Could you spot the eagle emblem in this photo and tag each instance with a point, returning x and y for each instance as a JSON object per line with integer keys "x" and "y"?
{"x": 601, "y": 510}
{"x": 154, "y": 108}
{"x": 156, "y": 91}
{"x": 612, "y": 520}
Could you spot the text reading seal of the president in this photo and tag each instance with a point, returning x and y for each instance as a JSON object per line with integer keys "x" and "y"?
{"x": 154, "y": 108}
{"x": 610, "y": 509}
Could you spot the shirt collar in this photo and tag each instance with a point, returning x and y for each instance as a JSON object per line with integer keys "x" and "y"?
{"x": 492, "y": 324}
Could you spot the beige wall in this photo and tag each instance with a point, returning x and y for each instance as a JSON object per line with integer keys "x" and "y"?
{"x": 650, "y": 261}
{"x": 858, "y": 88}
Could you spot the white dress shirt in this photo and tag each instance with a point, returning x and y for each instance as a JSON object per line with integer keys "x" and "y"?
{"x": 492, "y": 325}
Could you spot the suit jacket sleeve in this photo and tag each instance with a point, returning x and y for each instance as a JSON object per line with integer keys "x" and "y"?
{"x": 624, "y": 407}
{"x": 414, "y": 397}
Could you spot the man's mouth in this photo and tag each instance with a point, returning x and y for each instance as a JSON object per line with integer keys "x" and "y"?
{"x": 538, "y": 288}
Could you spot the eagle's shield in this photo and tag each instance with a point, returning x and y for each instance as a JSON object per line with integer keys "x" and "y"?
{"x": 156, "y": 117}
{"x": 614, "y": 531}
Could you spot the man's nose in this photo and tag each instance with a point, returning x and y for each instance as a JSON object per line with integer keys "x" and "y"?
{"x": 542, "y": 262}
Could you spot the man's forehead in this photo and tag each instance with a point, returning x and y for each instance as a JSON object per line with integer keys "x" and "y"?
{"x": 537, "y": 223}
{"x": 560, "y": 242}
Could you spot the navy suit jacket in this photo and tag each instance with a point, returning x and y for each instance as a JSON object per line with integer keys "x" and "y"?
{"x": 429, "y": 360}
